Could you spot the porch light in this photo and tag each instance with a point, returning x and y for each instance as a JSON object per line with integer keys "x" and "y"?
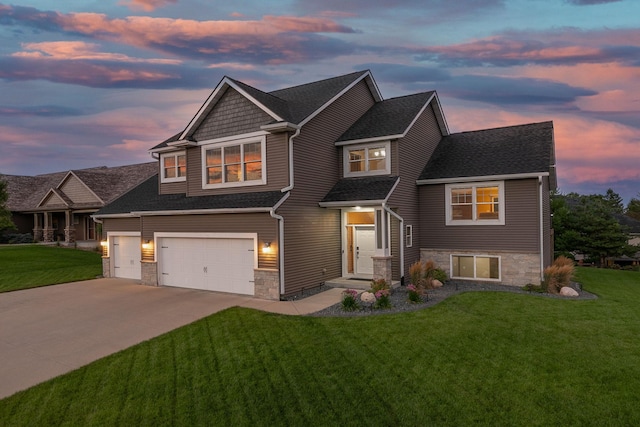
{"x": 104, "y": 243}
{"x": 146, "y": 244}
{"x": 266, "y": 248}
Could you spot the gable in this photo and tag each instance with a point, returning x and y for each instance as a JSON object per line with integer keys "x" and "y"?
{"x": 233, "y": 114}
{"x": 52, "y": 200}
{"x": 77, "y": 192}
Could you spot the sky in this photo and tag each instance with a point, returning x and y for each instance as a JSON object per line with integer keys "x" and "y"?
{"x": 87, "y": 83}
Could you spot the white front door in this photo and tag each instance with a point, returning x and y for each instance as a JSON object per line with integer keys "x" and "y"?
{"x": 365, "y": 248}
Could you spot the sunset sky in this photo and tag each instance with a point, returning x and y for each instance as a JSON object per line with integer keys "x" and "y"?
{"x": 86, "y": 83}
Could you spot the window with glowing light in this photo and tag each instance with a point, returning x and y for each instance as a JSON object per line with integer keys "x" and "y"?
{"x": 174, "y": 167}
{"x": 234, "y": 164}
{"x": 475, "y": 203}
{"x": 370, "y": 159}
{"x": 479, "y": 267}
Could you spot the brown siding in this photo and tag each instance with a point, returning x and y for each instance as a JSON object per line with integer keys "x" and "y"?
{"x": 77, "y": 192}
{"x": 409, "y": 156}
{"x": 173, "y": 187}
{"x": 520, "y": 232}
{"x": 312, "y": 234}
{"x": 120, "y": 224}
{"x": 546, "y": 215}
{"x": 277, "y": 169}
{"x": 261, "y": 223}
{"x": 232, "y": 115}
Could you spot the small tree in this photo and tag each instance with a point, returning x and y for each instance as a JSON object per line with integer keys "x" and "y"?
{"x": 5, "y": 215}
{"x": 633, "y": 208}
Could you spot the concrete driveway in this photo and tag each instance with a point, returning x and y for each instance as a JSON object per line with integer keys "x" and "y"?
{"x": 48, "y": 331}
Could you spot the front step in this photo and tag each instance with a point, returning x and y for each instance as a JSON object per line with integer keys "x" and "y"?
{"x": 349, "y": 283}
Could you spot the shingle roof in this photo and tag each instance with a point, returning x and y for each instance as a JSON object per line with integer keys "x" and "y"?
{"x": 361, "y": 189}
{"x": 632, "y": 224}
{"x": 293, "y": 104}
{"x": 389, "y": 117}
{"x": 502, "y": 151}
{"x": 26, "y": 192}
{"x": 145, "y": 198}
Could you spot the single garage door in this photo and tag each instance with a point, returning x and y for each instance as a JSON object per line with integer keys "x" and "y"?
{"x": 126, "y": 257}
{"x": 213, "y": 264}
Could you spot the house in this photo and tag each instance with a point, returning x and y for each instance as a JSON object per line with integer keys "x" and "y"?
{"x": 57, "y": 207}
{"x": 273, "y": 193}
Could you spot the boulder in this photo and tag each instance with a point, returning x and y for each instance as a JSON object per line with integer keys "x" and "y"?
{"x": 435, "y": 283}
{"x": 568, "y": 292}
{"x": 368, "y": 297}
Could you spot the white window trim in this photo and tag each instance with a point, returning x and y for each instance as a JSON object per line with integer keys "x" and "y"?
{"x": 408, "y": 236}
{"x": 474, "y": 221}
{"x": 164, "y": 179}
{"x": 366, "y": 147}
{"x": 475, "y": 274}
{"x": 263, "y": 181}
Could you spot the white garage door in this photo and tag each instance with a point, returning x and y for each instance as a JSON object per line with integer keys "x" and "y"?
{"x": 213, "y": 264}
{"x": 126, "y": 256}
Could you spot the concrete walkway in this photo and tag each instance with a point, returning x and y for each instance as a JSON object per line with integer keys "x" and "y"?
{"x": 48, "y": 331}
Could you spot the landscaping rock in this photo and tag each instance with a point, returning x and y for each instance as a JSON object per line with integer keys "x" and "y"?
{"x": 435, "y": 283}
{"x": 368, "y": 297}
{"x": 568, "y": 292}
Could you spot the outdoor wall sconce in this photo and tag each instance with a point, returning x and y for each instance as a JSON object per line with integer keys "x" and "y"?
{"x": 146, "y": 244}
{"x": 266, "y": 248}
{"x": 104, "y": 243}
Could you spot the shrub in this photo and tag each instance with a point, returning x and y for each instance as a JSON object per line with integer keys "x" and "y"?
{"x": 558, "y": 274}
{"x": 349, "y": 302}
{"x": 440, "y": 274}
{"x": 415, "y": 293}
{"x": 382, "y": 299}
{"x": 379, "y": 284}
{"x": 416, "y": 273}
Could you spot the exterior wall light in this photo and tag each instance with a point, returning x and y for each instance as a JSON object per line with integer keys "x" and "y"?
{"x": 146, "y": 244}
{"x": 266, "y": 248}
{"x": 104, "y": 243}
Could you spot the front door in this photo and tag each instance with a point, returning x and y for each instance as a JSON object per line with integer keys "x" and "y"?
{"x": 364, "y": 249}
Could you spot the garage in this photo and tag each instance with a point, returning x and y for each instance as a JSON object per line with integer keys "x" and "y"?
{"x": 224, "y": 263}
{"x": 126, "y": 256}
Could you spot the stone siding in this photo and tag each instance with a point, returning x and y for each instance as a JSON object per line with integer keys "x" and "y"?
{"x": 518, "y": 269}
{"x": 267, "y": 283}
{"x": 382, "y": 268}
{"x": 149, "y": 273}
{"x": 106, "y": 266}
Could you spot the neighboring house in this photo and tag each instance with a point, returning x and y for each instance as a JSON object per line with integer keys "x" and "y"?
{"x": 58, "y": 206}
{"x": 632, "y": 225}
{"x": 271, "y": 194}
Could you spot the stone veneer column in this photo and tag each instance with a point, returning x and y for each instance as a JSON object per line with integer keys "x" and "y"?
{"x": 382, "y": 268}
{"x": 149, "y": 273}
{"x": 106, "y": 266}
{"x": 266, "y": 283}
{"x": 69, "y": 235}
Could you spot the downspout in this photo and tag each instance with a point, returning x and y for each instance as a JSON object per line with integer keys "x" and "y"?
{"x": 280, "y": 218}
{"x": 400, "y": 238}
{"x": 541, "y": 230}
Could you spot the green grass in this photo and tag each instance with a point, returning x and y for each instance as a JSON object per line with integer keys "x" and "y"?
{"x": 477, "y": 358}
{"x": 30, "y": 266}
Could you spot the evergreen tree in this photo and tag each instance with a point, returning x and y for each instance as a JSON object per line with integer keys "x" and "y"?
{"x": 633, "y": 208}
{"x": 5, "y": 215}
{"x": 614, "y": 201}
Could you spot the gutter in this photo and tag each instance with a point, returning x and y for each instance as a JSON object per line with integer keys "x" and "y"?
{"x": 400, "y": 238}
{"x": 280, "y": 219}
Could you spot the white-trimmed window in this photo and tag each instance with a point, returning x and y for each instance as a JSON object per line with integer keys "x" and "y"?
{"x": 234, "y": 163}
{"x": 174, "y": 166}
{"x": 478, "y": 267}
{"x": 367, "y": 159}
{"x": 480, "y": 203}
{"x": 408, "y": 236}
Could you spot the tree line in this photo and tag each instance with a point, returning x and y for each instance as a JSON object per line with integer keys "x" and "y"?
{"x": 593, "y": 225}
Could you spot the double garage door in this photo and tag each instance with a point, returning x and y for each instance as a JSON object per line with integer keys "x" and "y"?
{"x": 213, "y": 264}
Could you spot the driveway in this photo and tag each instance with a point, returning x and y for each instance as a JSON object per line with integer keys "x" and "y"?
{"x": 48, "y": 331}
{"x": 45, "y": 332}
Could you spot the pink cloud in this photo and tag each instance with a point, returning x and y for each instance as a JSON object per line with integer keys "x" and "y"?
{"x": 76, "y": 50}
{"x": 146, "y": 5}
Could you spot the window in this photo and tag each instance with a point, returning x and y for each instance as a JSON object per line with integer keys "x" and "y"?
{"x": 234, "y": 164}
{"x": 174, "y": 167}
{"x": 480, "y": 267}
{"x": 475, "y": 203}
{"x": 370, "y": 159}
{"x": 408, "y": 236}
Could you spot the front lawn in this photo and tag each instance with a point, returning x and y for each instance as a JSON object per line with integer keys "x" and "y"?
{"x": 486, "y": 358}
{"x": 29, "y": 266}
